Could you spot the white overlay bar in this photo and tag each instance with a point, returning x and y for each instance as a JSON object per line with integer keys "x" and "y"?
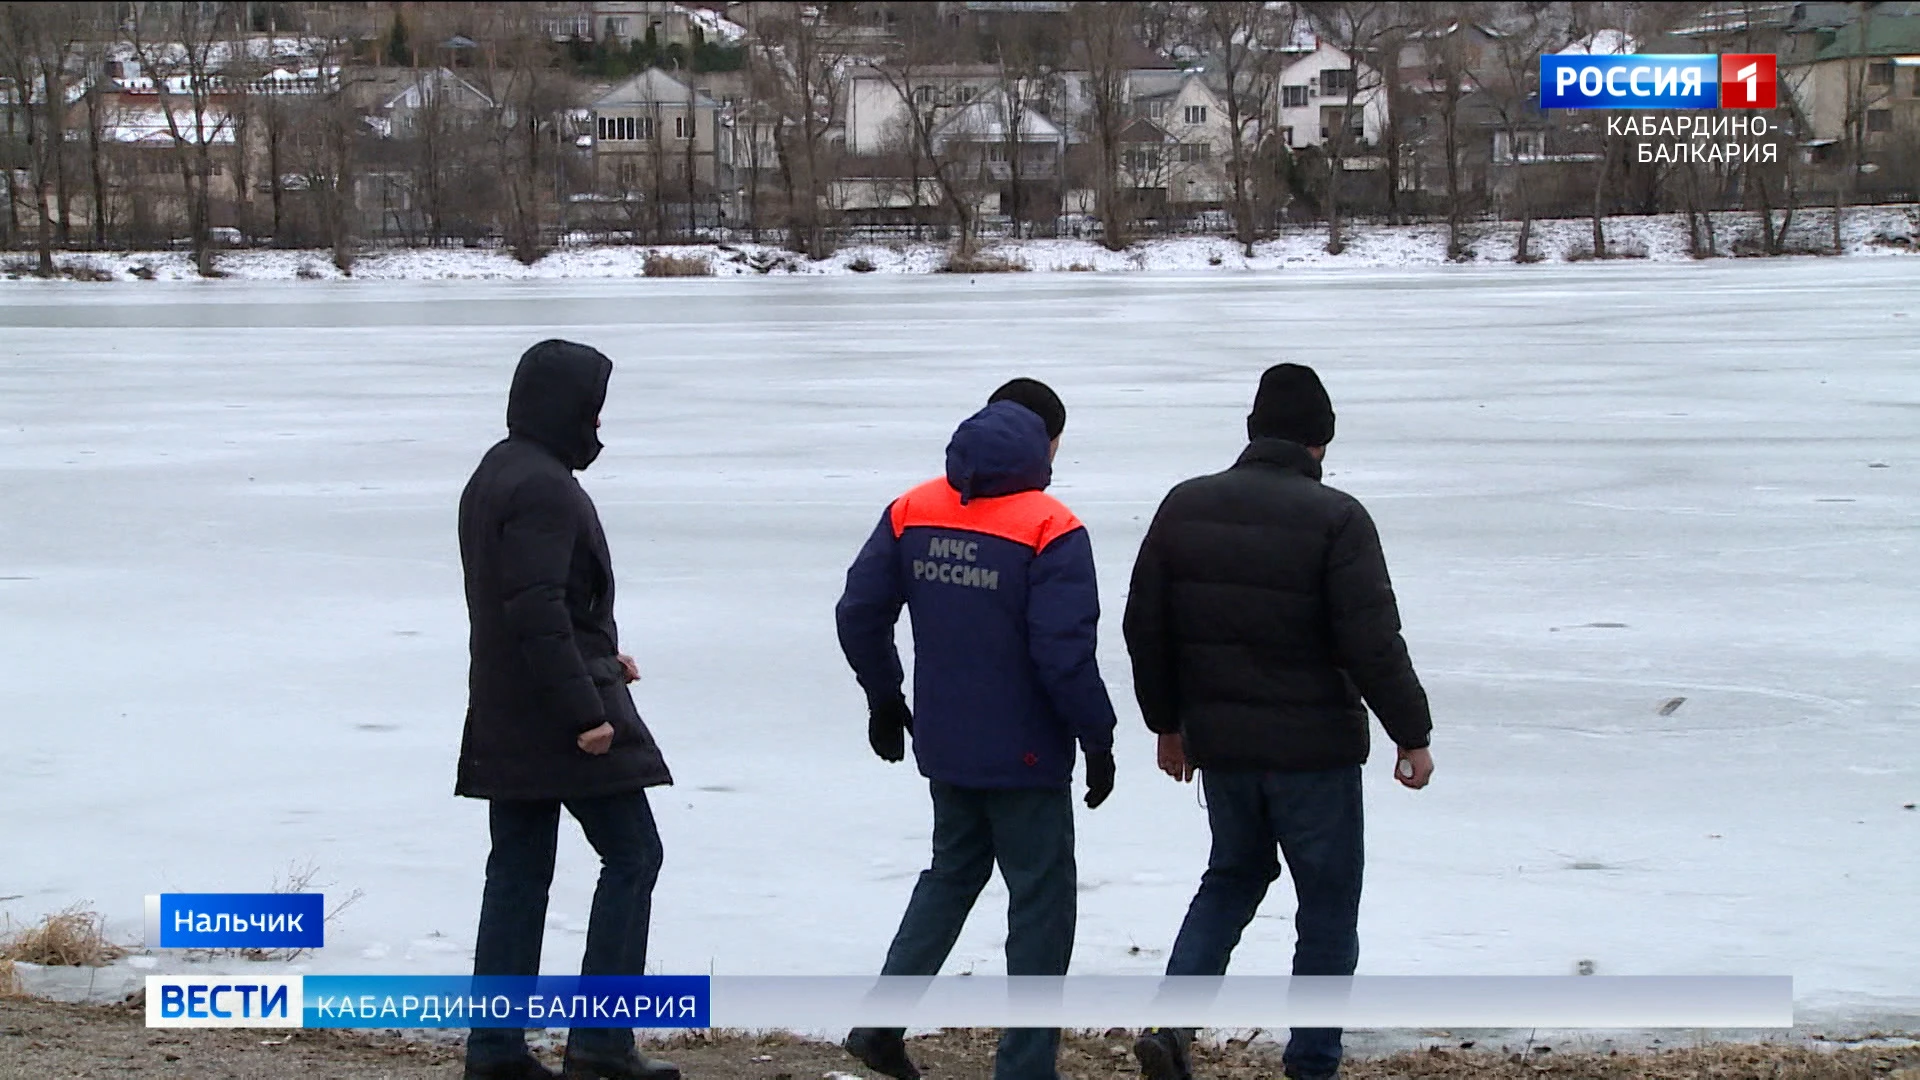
{"x": 1245, "y": 1001}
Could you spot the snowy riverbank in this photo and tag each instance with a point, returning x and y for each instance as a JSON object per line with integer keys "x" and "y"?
{"x": 1867, "y": 231}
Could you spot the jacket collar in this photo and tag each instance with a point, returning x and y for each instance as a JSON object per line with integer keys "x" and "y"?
{"x": 1282, "y": 453}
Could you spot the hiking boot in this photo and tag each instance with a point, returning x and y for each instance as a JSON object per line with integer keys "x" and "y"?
{"x": 1162, "y": 1053}
{"x": 884, "y": 1050}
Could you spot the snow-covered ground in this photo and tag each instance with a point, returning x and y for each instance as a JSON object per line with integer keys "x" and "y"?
{"x": 1864, "y": 231}
{"x": 232, "y": 638}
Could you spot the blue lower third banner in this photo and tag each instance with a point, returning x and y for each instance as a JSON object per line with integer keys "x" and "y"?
{"x": 810, "y": 1003}
{"x": 236, "y": 921}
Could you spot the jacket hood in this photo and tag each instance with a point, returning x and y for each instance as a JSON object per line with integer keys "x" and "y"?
{"x": 1000, "y": 450}
{"x": 557, "y": 393}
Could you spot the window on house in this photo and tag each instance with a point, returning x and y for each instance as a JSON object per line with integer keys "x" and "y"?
{"x": 617, "y": 29}
{"x": 1196, "y": 153}
{"x": 1336, "y": 80}
{"x": 683, "y": 127}
{"x": 1196, "y": 114}
{"x": 996, "y": 152}
{"x": 1286, "y": 135}
{"x": 624, "y": 128}
{"x": 1293, "y": 97}
{"x": 1517, "y": 146}
{"x": 1880, "y": 73}
{"x": 1333, "y": 119}
{"x": 922, "y": 95}
{"x": 1879, "y": 120}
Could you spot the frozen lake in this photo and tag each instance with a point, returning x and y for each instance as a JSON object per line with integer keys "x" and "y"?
{"x": 232, "y": 638}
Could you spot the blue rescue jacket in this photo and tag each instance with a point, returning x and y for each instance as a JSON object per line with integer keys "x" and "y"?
{"x": 998, "y": 578}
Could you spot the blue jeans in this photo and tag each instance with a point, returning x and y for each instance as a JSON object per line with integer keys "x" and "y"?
{"x": 1314, "y": 820}
{"x": 1029, "y": 833}
{"x": 513, "y": 910}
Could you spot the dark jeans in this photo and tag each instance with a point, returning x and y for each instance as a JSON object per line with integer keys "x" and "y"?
{"x": 513, "y": 910}
{"x": 1029, "y": 833}
{"x": 1314, "y": 819}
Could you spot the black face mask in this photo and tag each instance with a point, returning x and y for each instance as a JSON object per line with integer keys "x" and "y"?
{"x": 558, "y": 391}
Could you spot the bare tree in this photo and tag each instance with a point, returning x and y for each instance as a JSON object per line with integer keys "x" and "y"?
{"x": 340, "y": 127}
{"x": 1024, "y": 85}
{"x": 800, "y": 58}
{"x": 22, "y": 35}
{"x": 1448, "y": 80}
{"x": 38, "y": 45}
{"x": 926, "y": 41}
{"x": 179, "y": 48}
{"x": 1104, "y": 32}
{"x": 529, "y": 95}
{"x": 1512, "y": 88}
{"x": 1237, "y": 36}
{"x": 753, "y": 122}
{"x": 1859, "y": 97}
{"x": 65, "y": 28}
{"x": 1363, "y": 33}
{"x": 247, "y": 76}
{"x": 1400, "y": 105}
{"x": 94, "y": 59}
{"x": 272, "y": 113}
{"x": 313, "y": 130}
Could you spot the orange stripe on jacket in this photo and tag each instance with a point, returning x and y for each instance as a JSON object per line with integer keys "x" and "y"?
{"x": 1033, "y": 518}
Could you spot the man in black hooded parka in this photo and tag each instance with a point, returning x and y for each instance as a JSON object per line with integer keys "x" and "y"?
{"x": 550, "y": 723}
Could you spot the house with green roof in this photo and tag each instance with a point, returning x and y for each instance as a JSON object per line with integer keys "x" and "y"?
{"x": 1862, "y": 76}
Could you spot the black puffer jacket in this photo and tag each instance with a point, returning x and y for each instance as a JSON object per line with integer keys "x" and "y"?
{"x": 539, "y": 584}
{"x": 1261, "y": 617}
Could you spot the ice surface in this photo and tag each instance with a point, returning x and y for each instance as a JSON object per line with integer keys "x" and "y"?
{"x": 232, "y": 639}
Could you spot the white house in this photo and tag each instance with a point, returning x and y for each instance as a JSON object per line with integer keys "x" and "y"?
{"x": 1181, "y": 138}
{"x": 877, "y": 120}
{"x": 1312, "y": 102}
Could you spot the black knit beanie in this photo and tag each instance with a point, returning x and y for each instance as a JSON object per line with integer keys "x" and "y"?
{"x": 1039, "y": 397}
{"x": 1291, "y": 404}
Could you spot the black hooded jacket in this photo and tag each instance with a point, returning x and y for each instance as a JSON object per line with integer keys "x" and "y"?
{"x": 1262, "y": 623}
{"x": 539, "y": 584}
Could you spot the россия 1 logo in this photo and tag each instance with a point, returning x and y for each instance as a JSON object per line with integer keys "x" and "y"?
{"x": 1650, "y": 81}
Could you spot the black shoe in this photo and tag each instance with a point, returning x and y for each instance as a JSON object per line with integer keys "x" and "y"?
{"x": 635, "y": 1066}
{"x": 884, "y": 1050}
{"x": 1162, "y": 1053}
{"x": 526, "y": 1068}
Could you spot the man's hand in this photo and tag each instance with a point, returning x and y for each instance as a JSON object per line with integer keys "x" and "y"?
{"x": 887, "y": 727}
{"x": 1099, "y": 777}
{"x": 1413, "y": 768}
{"x": 628, "y": 666}
{"x": 597, "y": 741}
{"x": 1172, "y": 755}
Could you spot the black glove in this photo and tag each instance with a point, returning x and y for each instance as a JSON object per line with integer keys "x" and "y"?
{"x": 1099, "y": 777}
{"x": 887, "y": 727}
